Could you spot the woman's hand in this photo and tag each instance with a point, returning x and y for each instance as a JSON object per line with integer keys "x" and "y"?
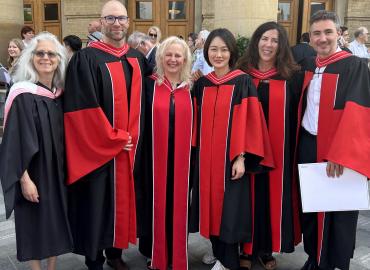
{"x": 238, "y": 168}
{"x": 129, "y": 144}
{"x": 29, "y": 189}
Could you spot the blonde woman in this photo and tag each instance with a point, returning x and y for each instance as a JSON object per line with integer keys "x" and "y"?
{"x": 155, "y": 35}
{"x": 162, "y": 190}
{"x": 15, "y": 49}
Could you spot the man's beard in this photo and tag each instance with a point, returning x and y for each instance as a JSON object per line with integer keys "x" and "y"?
{"x": 114, "y": 37}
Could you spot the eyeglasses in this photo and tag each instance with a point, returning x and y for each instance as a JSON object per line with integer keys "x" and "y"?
{"x": 110, "y": 19}
{"x": 41, "y": 54}
{"x": 153, "y": 35}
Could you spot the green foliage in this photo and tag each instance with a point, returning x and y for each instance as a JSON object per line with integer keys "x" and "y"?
{"x": 242, "y": 43}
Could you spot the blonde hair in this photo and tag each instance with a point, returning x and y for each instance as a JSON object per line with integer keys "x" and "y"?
{"x": 158, "y": 31}
{"x": 162, "y": 48}
{"x": 20, "y": 45}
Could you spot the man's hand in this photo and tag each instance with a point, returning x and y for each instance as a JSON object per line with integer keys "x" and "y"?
{"x": 129, "y": 145}
{"x": 29, "y": 189}
{"x": 238, "y": 168}
{"x": 334, "y": 169}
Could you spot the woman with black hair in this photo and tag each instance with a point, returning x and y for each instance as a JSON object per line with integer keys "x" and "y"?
{"x": 231, "y": 138}
{"x": 268, "y": 60}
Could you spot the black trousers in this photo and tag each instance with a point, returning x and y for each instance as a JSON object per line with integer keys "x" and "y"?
{"x": 339, "y": 227}
{"x": 110, "y": 253}
{"x": 227, "y": 254}
{"x": 307, "y": 153}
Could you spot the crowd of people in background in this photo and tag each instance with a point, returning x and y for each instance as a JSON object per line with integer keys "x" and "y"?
{"x": 139, "y": 136}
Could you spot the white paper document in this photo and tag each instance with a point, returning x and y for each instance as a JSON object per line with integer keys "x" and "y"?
{"x": 320, "y": 193}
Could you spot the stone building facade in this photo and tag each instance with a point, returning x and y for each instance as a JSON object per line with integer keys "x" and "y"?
{"x": 11, "y": 21}
{"x": 240, "y": 16}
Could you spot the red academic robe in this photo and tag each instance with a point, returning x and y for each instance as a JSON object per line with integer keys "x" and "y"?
{"x": 275, "y": 196}
{"x": 102, "y": 108}
{"x": 343, "y": 137}
{"x": 163, "y": 181}
{"x": 228, "y": 121}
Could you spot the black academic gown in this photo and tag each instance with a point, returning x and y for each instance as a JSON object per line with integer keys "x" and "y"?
{"x": 33, "y": 141}
{"x": 228, "y": 121}
{"x": 301, "y": 51}
{"x": 162, "y": 188}
{"x": 276, "y": 226}
{"x": 103, "y": 107}
{"x": 343, "y": 137}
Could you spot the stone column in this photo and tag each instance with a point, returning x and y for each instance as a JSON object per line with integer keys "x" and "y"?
{"x": 11, "y": 22}
{"x": 208, "y": 14}
{"x": 243, "y": 16}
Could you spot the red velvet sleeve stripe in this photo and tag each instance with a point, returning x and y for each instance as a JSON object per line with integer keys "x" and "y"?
{"x": 249, "y": 131}
{"x": 350, "y": 145}
{"x": 90, "y": 142}
{"x": 276, "y": 127}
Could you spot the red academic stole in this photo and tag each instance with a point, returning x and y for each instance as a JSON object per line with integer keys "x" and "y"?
{"x": 246, "y": 133}
{"x": 99, "y": 142}
{"x": 334, "y": 128}
{"x": 182, "y": 146}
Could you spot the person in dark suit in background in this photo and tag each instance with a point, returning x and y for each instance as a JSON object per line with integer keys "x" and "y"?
{"x": 141, "y": 42}
{"x": 303, "y": 49}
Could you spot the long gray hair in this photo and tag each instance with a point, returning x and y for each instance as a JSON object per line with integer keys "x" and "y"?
{"x": 26, "y": 70}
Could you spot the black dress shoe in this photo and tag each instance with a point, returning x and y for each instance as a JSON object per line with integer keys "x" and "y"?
{"x": 95, "y": 267}
{"x": 310, "y": 265}
{"x": 117, "y": 264}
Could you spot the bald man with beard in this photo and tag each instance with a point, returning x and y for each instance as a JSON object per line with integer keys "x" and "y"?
{"x": 103, "y": 123}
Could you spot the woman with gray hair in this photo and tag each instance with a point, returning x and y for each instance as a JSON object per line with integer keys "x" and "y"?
{"x": 163, "y": 183}
{"x": 32, "y": 154}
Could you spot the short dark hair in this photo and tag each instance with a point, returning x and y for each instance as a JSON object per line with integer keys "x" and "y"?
{"x": 74, "y": 42}
{"x": 323, "y": 15}
{"x": 25, "y": 29}
{"x": 284, "y": 64}
{"x": 343, "y": 29}
{"x": 230, "y": 42}
{"x": 305, "y": 37}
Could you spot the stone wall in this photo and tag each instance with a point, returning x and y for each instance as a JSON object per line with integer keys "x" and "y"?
{"x": 239, "y": 16}
{"x": 77, "y": 14}
{"x": 11, "y": 22}
{"x": 358, "y": 14}
{"x": 208, "y": 14}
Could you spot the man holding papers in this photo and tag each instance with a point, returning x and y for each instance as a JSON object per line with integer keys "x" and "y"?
{"x": 334, "y": 115}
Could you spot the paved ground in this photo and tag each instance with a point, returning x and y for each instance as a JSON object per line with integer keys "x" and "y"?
{"x": 197, "y": 247}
